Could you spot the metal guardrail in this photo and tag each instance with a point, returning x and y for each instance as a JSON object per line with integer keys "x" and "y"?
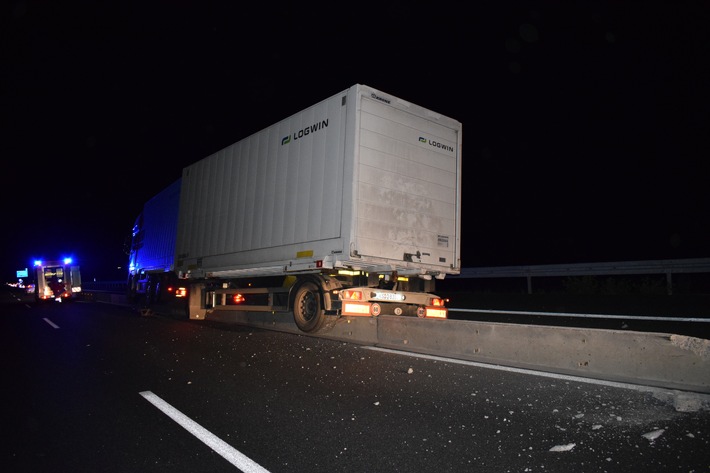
{"x": 693, "y": 265}
{"x": 660, "y": 267}
{"x": 586, "y": 316}
{"x": 114, "y": 287}
{"x": 666, "y": 267}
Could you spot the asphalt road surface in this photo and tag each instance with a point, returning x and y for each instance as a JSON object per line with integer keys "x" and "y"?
{"x": 96, "y": 387}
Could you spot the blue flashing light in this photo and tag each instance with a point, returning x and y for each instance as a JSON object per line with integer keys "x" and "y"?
{"x": 67, "y": 260}
{"x": 38, "y": 262}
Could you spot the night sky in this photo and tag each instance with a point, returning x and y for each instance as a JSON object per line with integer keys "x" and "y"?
{"x": 586, "y": 125}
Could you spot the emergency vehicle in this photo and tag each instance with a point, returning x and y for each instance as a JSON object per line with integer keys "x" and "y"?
{"x": 57, "y": 280}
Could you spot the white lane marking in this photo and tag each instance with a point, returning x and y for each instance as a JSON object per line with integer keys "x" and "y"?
{"x": 580, "y": 379}
{"x": 51, "y": 323}
{"x": 229, "y": 453}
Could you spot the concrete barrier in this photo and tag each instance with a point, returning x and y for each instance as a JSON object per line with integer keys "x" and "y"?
{"x": 650, "y": 359}
{"x": 360, "y": 330}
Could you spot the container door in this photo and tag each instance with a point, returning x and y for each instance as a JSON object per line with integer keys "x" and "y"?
{"x": 408, "y": 187}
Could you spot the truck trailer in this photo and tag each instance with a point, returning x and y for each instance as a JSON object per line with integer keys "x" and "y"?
{"x": 351, "y": 207}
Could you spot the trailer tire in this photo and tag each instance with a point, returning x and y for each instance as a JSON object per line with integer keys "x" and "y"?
{"x": 308, "y": 310}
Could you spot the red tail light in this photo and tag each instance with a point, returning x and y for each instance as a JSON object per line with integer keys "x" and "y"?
{"x": 348, "y": 295}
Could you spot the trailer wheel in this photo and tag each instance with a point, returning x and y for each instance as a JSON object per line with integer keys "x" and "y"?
{"x": 307, "y": 310}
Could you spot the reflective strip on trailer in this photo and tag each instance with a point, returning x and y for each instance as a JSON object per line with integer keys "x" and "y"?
{"x": 436, "y": 313}
{"x": 356, "y": 308}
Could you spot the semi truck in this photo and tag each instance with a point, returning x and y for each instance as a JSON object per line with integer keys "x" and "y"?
{"x": 349, "y": 208}
{"x": 57, "y": 280}
{"x": 152, "y": 280}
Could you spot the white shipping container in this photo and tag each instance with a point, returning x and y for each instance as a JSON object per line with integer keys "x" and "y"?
{"x": 361, "y": 180}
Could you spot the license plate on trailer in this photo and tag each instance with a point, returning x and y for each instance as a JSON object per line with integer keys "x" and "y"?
{"x": 388, "y": 296}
